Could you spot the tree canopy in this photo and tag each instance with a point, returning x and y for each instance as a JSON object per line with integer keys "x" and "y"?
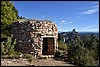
{"x": 8, "y": 14}
{"x": 82, "y": 49}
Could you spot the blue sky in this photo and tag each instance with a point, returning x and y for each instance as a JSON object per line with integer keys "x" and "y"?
{"x": 81, "y": 15}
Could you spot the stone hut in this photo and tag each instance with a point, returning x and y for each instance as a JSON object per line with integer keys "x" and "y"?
{"x": 38, "y": 37}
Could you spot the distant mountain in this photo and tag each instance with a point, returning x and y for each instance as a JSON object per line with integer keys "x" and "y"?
{"x": 64, "y": 36}
{"x": 82, "y": 33}
{"x": 89, "y": 33}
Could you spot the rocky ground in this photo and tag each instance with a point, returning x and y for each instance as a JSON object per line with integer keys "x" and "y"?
{"x": 34, "y": 62}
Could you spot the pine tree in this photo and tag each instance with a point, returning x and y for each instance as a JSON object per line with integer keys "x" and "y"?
{"x": 79, "y": 54}
{"x": 8, "y": 14}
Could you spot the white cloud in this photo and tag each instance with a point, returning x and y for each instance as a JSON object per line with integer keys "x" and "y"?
{"x": 91, "y": 11}
{"x": 62, "y": 22}
{"x": 87, "y": 27}
{"x": 70, "y": 22}
{"x": 96, "y": 6}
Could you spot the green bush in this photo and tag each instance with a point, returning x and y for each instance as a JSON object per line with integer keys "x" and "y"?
{"x": 62, "y": 46}
{"x": 57, "y": 54}
{"x": 16, "y": 56}
{"x": 81, "y": 56}
{"x": 4, "y": 56}
{"x": 7, "y": 47}
{"x": 28, "y": 56}
{"x": 11, "y": 56}
{"x": 86, "y": 60}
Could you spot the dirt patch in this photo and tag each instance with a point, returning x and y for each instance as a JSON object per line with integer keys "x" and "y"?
{"x": 34, "y": 62}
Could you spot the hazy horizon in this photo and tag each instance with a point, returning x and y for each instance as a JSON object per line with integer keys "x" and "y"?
{"x": 79, "y": 31}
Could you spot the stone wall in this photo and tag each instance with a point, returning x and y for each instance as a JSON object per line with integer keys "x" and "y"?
{"x": 28, "y": 34}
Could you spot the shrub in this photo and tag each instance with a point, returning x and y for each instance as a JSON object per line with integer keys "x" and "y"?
{"x": 62, "y": 46}
{"x": 28, "y": 56}
{"x": 4, "y": 56}
{"x": 11, "y": 56}
{"x": 81, "y": 56}
{"x": 57, "y": 54}
{"x": 16, "y": 56}
{"x": 7, "y": 47}
{"x": 86, "y": 59}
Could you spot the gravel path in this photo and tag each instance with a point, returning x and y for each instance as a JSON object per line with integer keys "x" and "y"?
{"x": 15, "y": 62}
{"x": 34, "y": 62}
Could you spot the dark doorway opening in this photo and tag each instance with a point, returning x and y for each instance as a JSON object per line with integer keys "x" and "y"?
{"x": 48, "y": 46}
